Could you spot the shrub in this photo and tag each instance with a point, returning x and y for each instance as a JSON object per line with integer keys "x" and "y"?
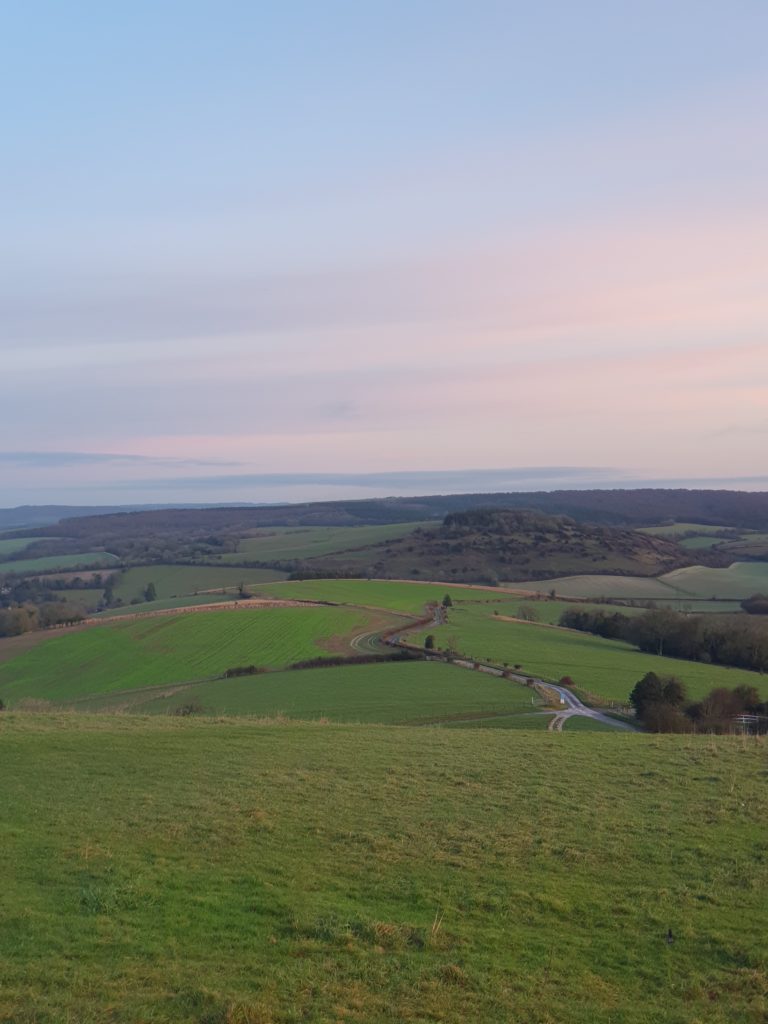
{"x": 193, "y": 707}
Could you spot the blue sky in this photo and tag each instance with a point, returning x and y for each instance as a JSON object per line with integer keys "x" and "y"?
{"x": 246, "y": 244}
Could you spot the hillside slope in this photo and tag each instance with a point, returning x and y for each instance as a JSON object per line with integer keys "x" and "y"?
{"x": 488, "y": 545}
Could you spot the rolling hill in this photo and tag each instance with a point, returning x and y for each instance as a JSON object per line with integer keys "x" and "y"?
{"x": 489, "y": 545}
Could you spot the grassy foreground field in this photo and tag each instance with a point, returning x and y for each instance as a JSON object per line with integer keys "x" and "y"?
{"x": 173, "y": 648}
{"x": 175, "y": 871}
{"x": 608, "y": 668}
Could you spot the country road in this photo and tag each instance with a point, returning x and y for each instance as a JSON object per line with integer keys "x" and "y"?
{"x": 573, "y": 706}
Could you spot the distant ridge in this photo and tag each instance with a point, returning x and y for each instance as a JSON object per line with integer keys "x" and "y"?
{"x": 44, "y": 515}
{"x": 618, "y": 507}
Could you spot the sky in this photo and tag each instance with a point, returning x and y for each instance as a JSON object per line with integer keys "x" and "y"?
{"x": 277, "y": 251}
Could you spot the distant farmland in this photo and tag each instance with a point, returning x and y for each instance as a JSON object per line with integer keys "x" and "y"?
{"x": 697, "y": 582}
{"x": 9, "y": 546}
{"x": 86, "y": 559}
{"x": 180, "y": 580}
{"x": 286, "y": 543}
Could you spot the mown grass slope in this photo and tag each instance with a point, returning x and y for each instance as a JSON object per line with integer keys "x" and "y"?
{"x": 608, "y": 668}
{"x": 172, "y": 648}
{"x": 178, "y": 871}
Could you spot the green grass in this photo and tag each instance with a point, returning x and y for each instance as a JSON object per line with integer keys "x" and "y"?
{"x": 29, "y": 566}
{"x": 608, "y": 668}
{"x": 276, "y": 543}
{"x": 524, "y": 720}
{"x": 390, "y": 692}
{"x": 176, "y": 872}
{"x": 180, "y": 580}
{"x": 579, "y": 723}
{"x": 172, "y": 648}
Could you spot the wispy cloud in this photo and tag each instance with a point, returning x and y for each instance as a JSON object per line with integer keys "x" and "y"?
{"x": 54, "y": 459}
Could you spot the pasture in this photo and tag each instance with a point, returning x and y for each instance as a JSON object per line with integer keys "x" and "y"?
{"x": 401, "y": 693}
{"x": 158, "y": 869}
{"x": 607, "y": 668}
{"x": 87, "y": 559}
{"x": 163, "y": 649}
{"x": 181, "y": 580}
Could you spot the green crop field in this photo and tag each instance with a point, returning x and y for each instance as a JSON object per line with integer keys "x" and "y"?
{"x": 390, "y": 692}
{"x": 180, "y": 580}
{"x": 177, "y": 871}
{"x": 173, "y": 648}
{"x": 278, "y": 543}
{"x": 608, "y": 668}
{"x": 29, "y": 566}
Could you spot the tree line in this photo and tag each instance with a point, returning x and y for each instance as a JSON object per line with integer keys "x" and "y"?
{"x": 738, "y": 641}
{"x": 662, "y": 705}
